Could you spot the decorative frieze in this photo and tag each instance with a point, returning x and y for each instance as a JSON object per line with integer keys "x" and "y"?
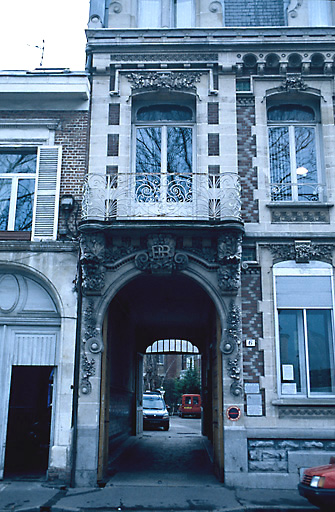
{"x": 167, "y": 57}
{"x": 301, "y": 251}
{"x": 307, "y": 412}
{"x": 299, "y": 215}
{"x": 164, "y": 80}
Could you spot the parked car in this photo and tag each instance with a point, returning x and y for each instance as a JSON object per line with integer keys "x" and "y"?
{"x": 155, "y": 413}
{"x": 318, "y": 486}
{"x": 190, "y": 406}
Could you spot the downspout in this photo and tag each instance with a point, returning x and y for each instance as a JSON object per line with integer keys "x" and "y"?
{"x": 76, "y": 377}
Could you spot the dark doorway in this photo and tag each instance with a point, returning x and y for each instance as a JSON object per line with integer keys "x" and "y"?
{"x": 29, "y": 418}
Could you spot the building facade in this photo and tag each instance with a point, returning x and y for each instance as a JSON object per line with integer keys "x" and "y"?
{"x": 206, "y": 217}
{"x": 43, "y": 154}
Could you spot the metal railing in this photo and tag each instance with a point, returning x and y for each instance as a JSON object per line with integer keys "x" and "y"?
{"x": 309, "y": 192}
{"x": 183, "y": 196}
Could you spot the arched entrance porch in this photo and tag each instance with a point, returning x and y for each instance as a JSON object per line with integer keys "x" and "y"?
{"x": 148, "y": 308}
{"x": 139, "y": 290}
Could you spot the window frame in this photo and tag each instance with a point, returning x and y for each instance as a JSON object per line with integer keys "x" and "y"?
{"x": 302, "y": 270}
{"x": 163, "y": 125}
{"x": 293, "y": 183}
{"x": 15, "y": 177}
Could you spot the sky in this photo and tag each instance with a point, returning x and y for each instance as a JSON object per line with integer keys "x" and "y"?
{"x": 26, "y": 23}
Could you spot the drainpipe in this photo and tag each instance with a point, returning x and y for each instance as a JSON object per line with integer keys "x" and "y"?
{"x": 76, "y": 377}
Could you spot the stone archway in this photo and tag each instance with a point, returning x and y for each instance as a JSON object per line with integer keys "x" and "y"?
{"x": 114, "y": 277}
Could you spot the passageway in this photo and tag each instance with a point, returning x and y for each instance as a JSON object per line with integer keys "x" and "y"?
{"x": 178, "y": 457}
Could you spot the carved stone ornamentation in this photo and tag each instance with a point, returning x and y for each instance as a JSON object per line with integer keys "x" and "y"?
{"x": 115, "y": 7}
{"x": 229, "y": 277}
{"x": 161, "y": 256}
{"x": 302, "y": 251}
{"x": 229, "y": 259}
{"x": 293, "y": 7}
{"x": 231, "y": 342}
{"x": 92, "y": 261}
{"x": 293, "y": 83}
{"x": 88, "y": 370}
{"x": 167, "y": 80}
{"x": 215, "y": 6}
{"x": 231, "y": 338}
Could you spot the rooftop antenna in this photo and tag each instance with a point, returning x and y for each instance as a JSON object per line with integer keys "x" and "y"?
{"x": 40, "y": 48}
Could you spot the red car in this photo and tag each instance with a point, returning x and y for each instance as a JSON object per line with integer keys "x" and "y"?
{"x": 318, "y": 486}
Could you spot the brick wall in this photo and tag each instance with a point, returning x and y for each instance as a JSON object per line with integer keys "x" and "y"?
{"x": 72, "y": 135}
{"x": 254, "y": 13}
{"x": 246, "y": 147}
{"x": 252, "y": 326}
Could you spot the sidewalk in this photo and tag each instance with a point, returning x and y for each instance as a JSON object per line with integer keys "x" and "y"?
{"x": 24, "y": 496}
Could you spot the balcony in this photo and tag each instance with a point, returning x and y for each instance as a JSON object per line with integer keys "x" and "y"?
{"x": 166, "y": 196}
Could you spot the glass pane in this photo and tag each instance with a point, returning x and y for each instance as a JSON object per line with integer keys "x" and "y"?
{"x": 149, "y": 15}
{"x": 24, "y": 205}
{"x": 5, "y": 192}
{"x": 183, "y": 13}
{"x": 290, "y": 331}
{"x": 280, "y": 165}
{"x": 306, "y": 163}
{"x": 320, "y": 352}
{"x": 13, "y": 162}
{"x": 291, "y": 113}
{"x": 148, "y": 164}
{"x": 179, "y": 164}
{"x": 164, "y": 113}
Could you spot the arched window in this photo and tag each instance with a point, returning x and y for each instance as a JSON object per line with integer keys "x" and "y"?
{"x": 295, "y": 168}
{"x": 304, "y": 328}
{"x": 164, "y": 155}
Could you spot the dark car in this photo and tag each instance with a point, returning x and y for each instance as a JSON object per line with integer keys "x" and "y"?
{"x": 318, "y": 486}
{"x": 155, "y": 413}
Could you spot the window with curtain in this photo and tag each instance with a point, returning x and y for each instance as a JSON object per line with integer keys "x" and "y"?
{"x": 304, "y": 323}
{"x": 294, "y": 154}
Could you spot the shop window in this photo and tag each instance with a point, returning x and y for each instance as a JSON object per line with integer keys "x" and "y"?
{"x": 295, "y": 168}
{"x": 304, "y": 323}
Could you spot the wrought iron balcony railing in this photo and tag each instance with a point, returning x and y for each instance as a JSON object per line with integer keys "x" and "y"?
{"x": 308, "y": 192}
{"x": 182, "y": 196}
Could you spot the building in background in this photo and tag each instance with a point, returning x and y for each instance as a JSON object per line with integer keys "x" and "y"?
{"x": 206, "y": 218}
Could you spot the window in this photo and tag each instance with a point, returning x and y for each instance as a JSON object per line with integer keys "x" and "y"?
{"x": 304, "y": 324}
{"x": 320, "y": 13}
{"x": 294, "y": 156}
{"x": 164, "y": 154}
{"x": 17, "y": 185}
{"x": 29, "y": 190}
{"x": 165, "y": 13}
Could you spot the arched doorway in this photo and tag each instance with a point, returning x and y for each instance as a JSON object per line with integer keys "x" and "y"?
{"x": 146, "y": 309}
{"x": 29, "y": 334}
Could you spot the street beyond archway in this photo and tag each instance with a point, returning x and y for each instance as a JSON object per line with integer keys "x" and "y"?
{"x": 177, "y": 457}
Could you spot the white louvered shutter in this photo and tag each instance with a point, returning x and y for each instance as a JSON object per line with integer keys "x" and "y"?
{"x": 45, "y": 218}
